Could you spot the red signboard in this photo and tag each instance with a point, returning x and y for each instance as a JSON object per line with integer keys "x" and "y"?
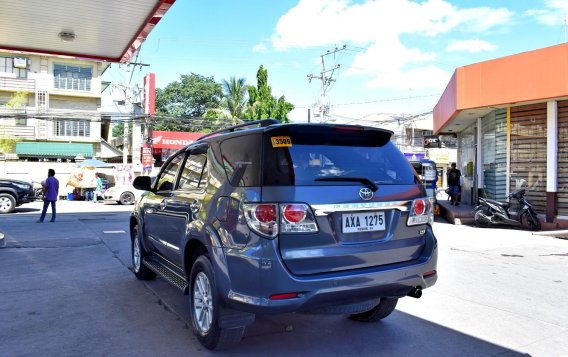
{"x": 173, "y": 139}
{"x": 147, "y": 158}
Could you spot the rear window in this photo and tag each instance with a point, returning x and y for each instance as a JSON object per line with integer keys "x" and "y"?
{"x": 307, "y": 156}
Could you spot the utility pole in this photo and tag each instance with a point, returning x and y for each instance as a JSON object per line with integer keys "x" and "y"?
{"x": 128, "y": 110}
{"x": 325, "y": 81}
{"x": 565, "y": 25}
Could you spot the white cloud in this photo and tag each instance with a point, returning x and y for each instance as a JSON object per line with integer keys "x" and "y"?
{"x": 553, "y": 14}
{"x": 378, "y": 26}
{"x": 471, "y": 46}
{"x": 260, "y": 47}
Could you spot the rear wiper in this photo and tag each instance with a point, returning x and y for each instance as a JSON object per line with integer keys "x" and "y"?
{"x": 363, "y": 180}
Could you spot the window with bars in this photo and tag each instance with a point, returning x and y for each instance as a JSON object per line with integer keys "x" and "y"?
{"x": 72, "y": 128}
{"x": 7, "y": 66}
{"x": 41, "y": 99}
{"x": 72, "y": 77}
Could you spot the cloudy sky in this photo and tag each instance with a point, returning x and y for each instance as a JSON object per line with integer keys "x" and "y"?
{"x": 395, "y": 56}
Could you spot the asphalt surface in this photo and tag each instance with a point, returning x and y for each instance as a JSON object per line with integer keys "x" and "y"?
{"x": 66, "y": 290}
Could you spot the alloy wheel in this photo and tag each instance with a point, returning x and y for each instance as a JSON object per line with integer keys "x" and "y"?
{"x": 5, "y": 204}
{"x": 203, "y": 302}
{"x": 136, "y": 254}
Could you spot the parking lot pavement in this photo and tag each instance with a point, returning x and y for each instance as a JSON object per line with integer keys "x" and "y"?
{"x": 66, "y": 290}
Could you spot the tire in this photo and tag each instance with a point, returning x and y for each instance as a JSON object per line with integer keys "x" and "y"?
{"x": 127, "y": 198}
{"x": 379, "y": 312}
{"x": 7, "y": 203}
{"x": 141, "y": 271}
{"x": 530, "y": 221}
{"x": 479, "y": 217}
{"x": 206, "y": 310}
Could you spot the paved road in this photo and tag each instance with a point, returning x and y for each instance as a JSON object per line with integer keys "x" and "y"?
{"x": 66, "y": 290}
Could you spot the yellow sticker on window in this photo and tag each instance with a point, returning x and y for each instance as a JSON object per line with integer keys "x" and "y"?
{"x": 281, "y": 141}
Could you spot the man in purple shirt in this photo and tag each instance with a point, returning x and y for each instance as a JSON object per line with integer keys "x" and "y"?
{"x": 50, "y": 192}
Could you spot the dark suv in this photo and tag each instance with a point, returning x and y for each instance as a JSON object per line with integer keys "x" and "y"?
{"x": 14, "y": 193}
{"x": 273, "y": 218}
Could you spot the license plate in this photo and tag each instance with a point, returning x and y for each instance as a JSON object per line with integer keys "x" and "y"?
{"x": 363, "y": 222}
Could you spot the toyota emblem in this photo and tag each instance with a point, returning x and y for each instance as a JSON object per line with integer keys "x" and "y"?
{"x": 366, "y": 193}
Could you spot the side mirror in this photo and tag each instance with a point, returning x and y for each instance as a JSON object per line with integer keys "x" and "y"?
{"x": 142, "y": 183}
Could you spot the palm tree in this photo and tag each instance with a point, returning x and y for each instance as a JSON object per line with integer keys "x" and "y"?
{"x": 235, "y": 96}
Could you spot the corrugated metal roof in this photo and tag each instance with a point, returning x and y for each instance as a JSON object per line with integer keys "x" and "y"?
{"x": 109, "y": 30}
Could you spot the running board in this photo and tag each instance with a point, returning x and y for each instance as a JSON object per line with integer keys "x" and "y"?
{"x": 171, "y": 276}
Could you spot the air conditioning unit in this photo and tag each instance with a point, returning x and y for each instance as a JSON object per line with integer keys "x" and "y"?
{"x": 20, "y": 62}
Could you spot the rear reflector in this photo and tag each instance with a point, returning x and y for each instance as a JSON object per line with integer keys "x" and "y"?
{"x": 429, "y": 274}
{"x": 283, "y": 296}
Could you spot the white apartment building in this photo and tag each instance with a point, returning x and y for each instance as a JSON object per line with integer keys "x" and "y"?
{"x": 60, "y": 118}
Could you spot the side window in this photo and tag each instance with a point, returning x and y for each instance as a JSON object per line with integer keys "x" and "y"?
{"x": 167, "y": 179}
{"x": 241, "y": 160}
{"x": 194, "y": 174}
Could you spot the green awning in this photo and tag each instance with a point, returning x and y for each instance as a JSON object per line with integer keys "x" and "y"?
{"x": 52, "y": 149}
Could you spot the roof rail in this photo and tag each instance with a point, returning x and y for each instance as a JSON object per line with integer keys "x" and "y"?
{"x": 259, "y": 123}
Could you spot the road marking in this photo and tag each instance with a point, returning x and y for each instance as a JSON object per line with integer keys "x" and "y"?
{"x": 113, "y": 232}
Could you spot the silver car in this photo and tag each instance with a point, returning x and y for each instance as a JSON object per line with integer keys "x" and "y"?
{"x": 123, "y": 194}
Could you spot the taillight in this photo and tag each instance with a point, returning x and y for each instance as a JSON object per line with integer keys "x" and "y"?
{"x": 268, "y": 218}
{"x": 297, "y": 218}
{"x": 265, "y": 213}
{"x": 294, "y": 213}
{"x": 262, "y": 218}
{"x": 419, "y": 207}
{"x": 421, "y": 212}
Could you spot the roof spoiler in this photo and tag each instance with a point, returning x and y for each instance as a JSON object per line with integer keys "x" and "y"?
{"x": 256, "y": 123}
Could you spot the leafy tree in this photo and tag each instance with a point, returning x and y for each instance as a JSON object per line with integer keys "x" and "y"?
{"x": 262, "y": 104}
{"x": 8, "y": 145}
{"x": 192, "y": 96}
{"x": 18, "y": 99}
{"x": 234, "y": 97}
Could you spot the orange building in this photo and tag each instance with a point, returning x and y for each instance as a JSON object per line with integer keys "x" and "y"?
{"x": 510, "y": 115}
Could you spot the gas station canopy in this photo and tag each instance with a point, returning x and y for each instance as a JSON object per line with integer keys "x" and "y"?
{"x": 102, "y": 30}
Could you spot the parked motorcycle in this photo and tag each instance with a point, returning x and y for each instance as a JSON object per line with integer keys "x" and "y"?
{"x": 490, "y": 212}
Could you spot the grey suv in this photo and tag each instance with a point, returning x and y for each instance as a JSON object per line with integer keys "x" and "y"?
{"x": 273, "y": 218}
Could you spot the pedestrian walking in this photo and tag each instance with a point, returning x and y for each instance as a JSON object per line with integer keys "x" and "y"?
{"x": 50, "y": 192}
{"x": 99, "y": 188}
{"x": 454, "y": 186}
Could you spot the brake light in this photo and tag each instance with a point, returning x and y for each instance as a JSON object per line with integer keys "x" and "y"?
{"x": 419, "y": 207}
{"x": 421, "y": 212}
{"x": 262, "y": 218}
{"x": 265, "y": 213}
{"x": 294, "y": 213}
{"x": 297, "y": 218}
{"x": 266, "y": 219}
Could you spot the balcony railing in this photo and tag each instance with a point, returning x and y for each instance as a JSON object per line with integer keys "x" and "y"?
{"x": 17, "y": 131}
{"x": 17, "y": 84}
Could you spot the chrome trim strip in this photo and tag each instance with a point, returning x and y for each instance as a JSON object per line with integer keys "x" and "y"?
{"x": 324, "y": 210}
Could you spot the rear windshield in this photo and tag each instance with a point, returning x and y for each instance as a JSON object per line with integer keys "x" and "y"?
{"x": 333, "y": 156}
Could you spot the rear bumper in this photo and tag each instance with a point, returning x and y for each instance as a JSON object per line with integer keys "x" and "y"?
{"x": 244, "y": 292}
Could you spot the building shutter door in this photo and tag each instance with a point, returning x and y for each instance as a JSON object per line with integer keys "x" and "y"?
{"x": 528, "y": 153}
{"x": 563, "y": 158}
